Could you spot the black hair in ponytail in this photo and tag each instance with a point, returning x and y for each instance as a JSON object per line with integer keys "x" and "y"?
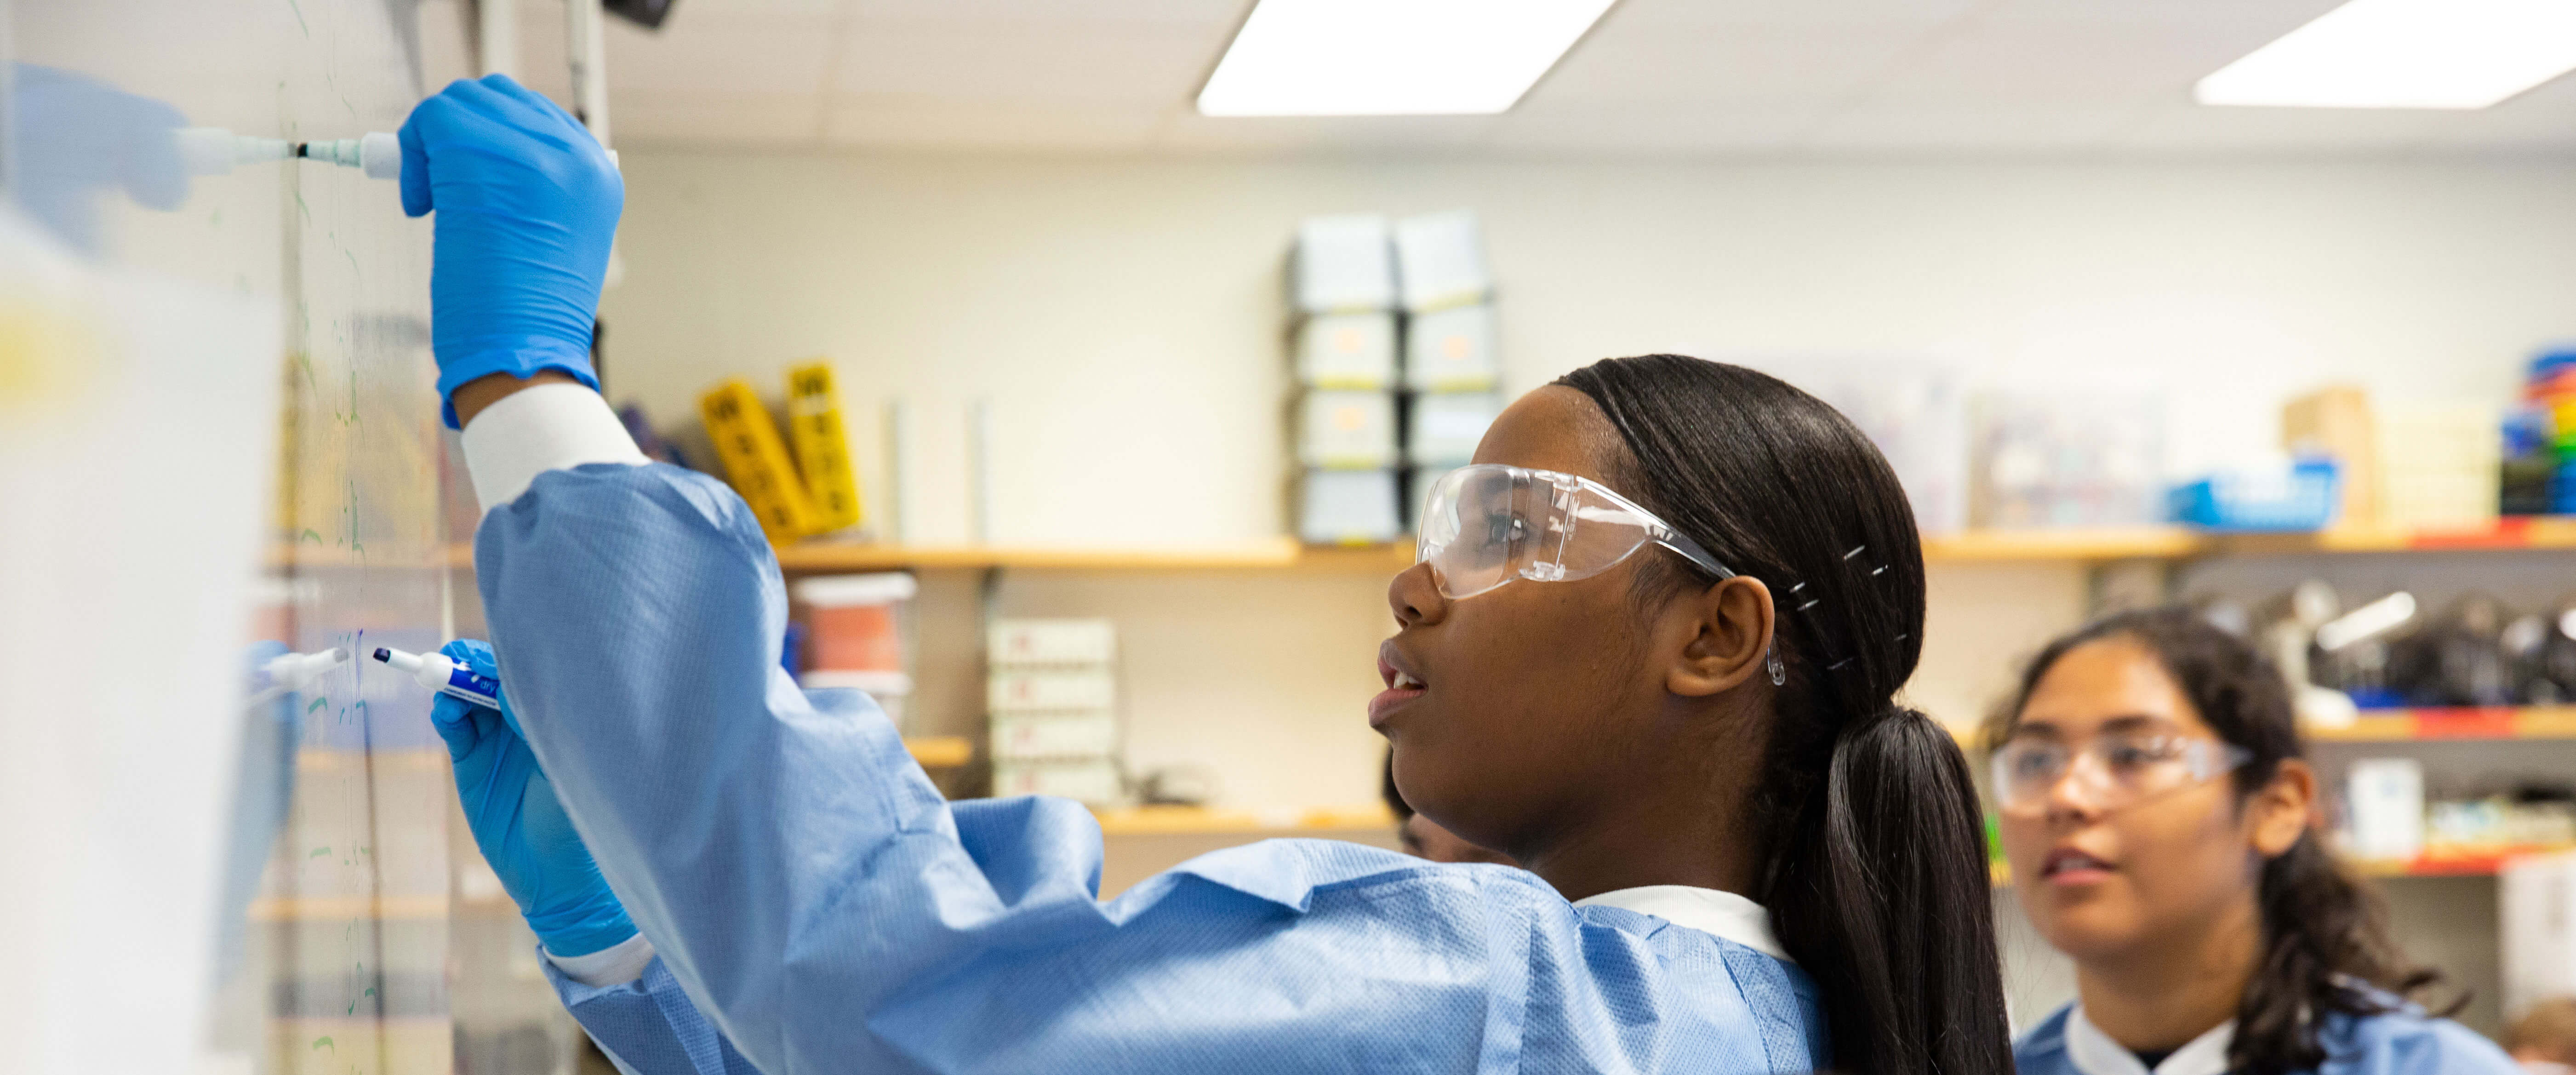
{"x": 2326, "y": 945}
{"x": 1875, "y": 867}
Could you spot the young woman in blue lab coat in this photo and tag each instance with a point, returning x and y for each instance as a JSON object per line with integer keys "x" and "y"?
{"x": 2160, "y": 822}
{"x": 1650, "y": 654}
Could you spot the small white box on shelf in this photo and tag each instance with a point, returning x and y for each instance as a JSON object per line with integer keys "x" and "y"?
{"x": 2386, "y": 800}
{"x": 1451, "y": 350}
{"x": 2538, "y": 928}
{"x": 1346, "y": 430}
{"x": 1440, "y": 257}
{"x": 1347, "y": 351}
{"x": 1443, "y": 428}
{"x": 1013, "y": 690}
{"x": 1094, "y": 782}
{"x": 1348, "y": 507}
{"x": 1014, "y": 643}
{"x": 1089, "y": 733}
{"x": 1343, "y": 264}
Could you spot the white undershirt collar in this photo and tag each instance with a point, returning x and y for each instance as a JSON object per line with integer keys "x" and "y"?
{"x": 1721, "y": 914}
{"x": 2094, "y": 1053}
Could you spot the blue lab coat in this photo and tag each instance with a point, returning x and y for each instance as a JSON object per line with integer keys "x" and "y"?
{"x": 817, "y": 906}
{"x": 2404, "y": 1041}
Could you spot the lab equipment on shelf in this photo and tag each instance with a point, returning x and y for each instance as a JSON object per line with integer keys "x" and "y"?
{"x": 2066, "y": 458}
{"x": 1440, "y": 261}
{"x": 854, "y": 640}
{"x": 1342, "y": 264}
{"x": 1339, "y": 430}
{"x": 1451, "y": 350}
{"x": 2275, "y": 494}
{"x": 1051, "y": 701}
{"x": 2385, "y": 798}
{"x": 1348, "y": 507}
{"x": 1347, "y": 351}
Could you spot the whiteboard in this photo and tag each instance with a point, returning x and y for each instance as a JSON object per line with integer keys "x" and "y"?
{"x": 372, "y": 940}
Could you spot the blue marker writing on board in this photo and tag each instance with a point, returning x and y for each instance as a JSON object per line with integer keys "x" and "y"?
{"x": 436, "y": 672}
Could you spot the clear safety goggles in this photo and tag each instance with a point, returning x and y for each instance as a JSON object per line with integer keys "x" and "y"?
{"x": 1487, "y": 524}
{"x": 2113, "y": 771}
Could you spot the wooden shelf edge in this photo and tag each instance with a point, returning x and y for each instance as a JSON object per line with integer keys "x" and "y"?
{"x": 932, "y": 751}
{"x": 1199, "y": 821}
{"x": 2462, "y": 724}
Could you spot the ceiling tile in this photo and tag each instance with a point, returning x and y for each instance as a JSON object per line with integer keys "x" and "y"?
{"x": 1621, "y": 130}
{"x": 1905, "y": 128}
{"x": 1023, "y": 15}
{"x": 2183, "y": 127}
{"x": 1720, "y": 69}
{"x": 1187, "y": 131}
{"x": 719, "y": 61}
{"x": 1874, "y": 15}
{"x": 890, "y": 120}
{"x": 716, "y": 119}
{"x": 1157, "y": 69}
{"x": 2542, "y": 120}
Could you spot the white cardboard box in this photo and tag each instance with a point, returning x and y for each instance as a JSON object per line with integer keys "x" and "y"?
{"x": 1017, "y": 643}
{"x": 1016, "y": 691}
{"x": 1075, "y": 734}
{"x": 2386, "y": 798}
{"x": 2537, "y": 928}
{"x": 1092, "y": 782}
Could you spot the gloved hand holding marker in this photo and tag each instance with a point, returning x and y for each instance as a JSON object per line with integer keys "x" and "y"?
{"x": 454, "y": 679}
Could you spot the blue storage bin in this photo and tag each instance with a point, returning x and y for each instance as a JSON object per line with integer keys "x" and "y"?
{"x": 2298, "y": 497}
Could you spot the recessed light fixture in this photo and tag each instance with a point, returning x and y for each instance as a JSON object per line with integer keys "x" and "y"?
{"x": 1392, "y": 57}
{"x": 2405, "y": 54}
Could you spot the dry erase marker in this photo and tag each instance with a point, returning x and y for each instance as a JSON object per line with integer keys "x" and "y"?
{"x": 436, "y": 672}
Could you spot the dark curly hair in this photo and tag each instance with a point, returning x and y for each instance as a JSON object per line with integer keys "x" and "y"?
{"x": 2326, "y": 946}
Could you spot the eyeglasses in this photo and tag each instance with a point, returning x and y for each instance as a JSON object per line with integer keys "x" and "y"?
{"x": 2115, "y": 770}
{"x": 1487, "y": 524}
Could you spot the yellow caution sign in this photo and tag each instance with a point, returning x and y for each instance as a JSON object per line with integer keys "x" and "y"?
{"x": 822, "y": 444}
{"x": 755, "y": 461}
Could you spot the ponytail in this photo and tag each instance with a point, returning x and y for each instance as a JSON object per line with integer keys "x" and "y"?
{"x": 1880, "y": 889}
{"x": 1873, "y": 856}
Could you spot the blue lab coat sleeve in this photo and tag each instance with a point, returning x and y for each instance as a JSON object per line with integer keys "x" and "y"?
{"x": 816, "y": 903}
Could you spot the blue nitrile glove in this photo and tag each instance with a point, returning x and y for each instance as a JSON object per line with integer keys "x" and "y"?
{"x": 519, "y": 823}
{"x": 527, "y": 202}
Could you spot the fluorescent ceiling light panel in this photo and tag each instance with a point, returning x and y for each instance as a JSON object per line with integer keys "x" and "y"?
{"x": 1392, "y": 57}
{"x": 2405, "y": 54}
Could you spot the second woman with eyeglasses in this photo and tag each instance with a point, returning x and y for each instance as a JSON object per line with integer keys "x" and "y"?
{"x": 2158, "y": 814}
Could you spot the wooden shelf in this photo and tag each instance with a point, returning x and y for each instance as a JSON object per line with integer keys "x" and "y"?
{"x": 1280, "y": 554}
{"x": 1200, "y": 821}
{"x": 940, "y": 751}
{"x": 1991, "y": 546}
{"x": 2424, "y": 725}
{"x": 2483, "y": 864}
{"x": 932, "y": 751}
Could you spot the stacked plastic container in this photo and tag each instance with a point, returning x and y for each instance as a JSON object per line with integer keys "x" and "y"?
{"x": 1452, "y": 378}
{"x": 1052, "y": 699}
{"x": 1394, "y": 348}
{"x": 1342, "y": 279}
{"x": 855, "y": 640}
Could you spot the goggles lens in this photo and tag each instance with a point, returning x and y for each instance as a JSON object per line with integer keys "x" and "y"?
{"x": 1485, "y": 525}
{"x": 2114, "y": 771}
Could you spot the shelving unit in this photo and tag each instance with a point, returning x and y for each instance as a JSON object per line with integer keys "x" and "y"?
{"x": 2483, "y": 864}
{"x": 1199, "y": 821}
{"x": 1286, "y": 554}
{"x": 2428, "y": 725}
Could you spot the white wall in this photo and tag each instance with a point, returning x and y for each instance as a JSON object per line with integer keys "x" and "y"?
{"x": 1124, "y": 318}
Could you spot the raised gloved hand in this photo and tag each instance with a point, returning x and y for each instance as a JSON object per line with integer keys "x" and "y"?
{"x": 527, "y": 202}
{"x": 521, "y": 826}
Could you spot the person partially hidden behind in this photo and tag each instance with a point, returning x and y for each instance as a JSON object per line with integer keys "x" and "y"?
{"x": 2160, "y": 817}
{"x": 1422, "y": 837}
